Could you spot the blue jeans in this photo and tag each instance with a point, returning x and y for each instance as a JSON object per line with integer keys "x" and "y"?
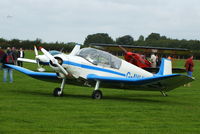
{"x": 6, "y": 72}
{"x": 189, "y": 73}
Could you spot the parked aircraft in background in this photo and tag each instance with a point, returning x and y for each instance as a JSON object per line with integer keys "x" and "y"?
{"x": 93, "y": 67}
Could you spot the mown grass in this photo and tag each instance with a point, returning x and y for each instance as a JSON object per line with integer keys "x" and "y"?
{"x": 27, "y": 106}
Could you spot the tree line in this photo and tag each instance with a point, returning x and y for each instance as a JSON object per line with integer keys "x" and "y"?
{"x": 153, "y": 39}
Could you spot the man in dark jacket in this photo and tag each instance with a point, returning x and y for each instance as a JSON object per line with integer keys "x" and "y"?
{"x": 21, "y": 55}
{"x": 15, "y": 55}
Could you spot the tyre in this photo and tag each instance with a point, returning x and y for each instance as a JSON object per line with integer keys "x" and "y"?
{"x": 97, "y": 94}
{"x": 56, "y": 92}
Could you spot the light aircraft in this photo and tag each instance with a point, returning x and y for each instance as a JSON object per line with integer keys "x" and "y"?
{"x": 93, "y": 67}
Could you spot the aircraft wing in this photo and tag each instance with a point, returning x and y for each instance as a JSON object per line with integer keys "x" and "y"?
{"x": 155, "y": 83}
{"x": 26, "y": 60}
{"x": 37, "y": 75}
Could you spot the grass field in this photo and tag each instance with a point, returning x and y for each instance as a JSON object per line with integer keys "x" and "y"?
{"x": 27, "y": 106}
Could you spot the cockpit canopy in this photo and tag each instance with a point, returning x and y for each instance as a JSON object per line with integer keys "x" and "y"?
{"x": 101, "y": 58}
{"x": 54, "y": 52}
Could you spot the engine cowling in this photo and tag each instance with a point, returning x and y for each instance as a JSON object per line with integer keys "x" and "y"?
{"x": 55, "y": 67}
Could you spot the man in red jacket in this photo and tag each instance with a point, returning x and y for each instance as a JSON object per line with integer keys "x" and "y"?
{"x": 189, "y": 65}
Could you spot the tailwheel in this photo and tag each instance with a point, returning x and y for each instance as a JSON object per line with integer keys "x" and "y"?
{"x": 97, "y": 94}
{"x": 57, "y": 92}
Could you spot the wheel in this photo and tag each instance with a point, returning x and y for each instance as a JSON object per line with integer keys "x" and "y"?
{"x": 97, "y": 94}
{"x": 56, "y": 92}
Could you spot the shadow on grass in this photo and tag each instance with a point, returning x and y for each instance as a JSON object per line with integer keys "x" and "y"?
{"x": 29, "y": 92}
{"x": 149, "y": 98}
{"x": 116, "y": 98}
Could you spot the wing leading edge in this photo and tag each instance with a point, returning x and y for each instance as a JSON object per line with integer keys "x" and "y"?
{"x": 37, "y": 75}
{"x": 155, "y": 83}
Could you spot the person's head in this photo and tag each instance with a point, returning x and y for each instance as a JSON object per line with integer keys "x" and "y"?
{"x": 13, "y": 48}
{"x": 20, "y": 49}
{"x": 8, "y": 49}
{"x": 190, "y": 57}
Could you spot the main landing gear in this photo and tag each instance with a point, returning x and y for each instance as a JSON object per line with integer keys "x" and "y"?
{"x": 59, "y": 91}
{"x": 97, "y": 94}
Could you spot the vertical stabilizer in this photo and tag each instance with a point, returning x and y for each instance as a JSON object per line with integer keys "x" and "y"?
{"x": 75, "y": 49}
{"x": 165, "y": 67}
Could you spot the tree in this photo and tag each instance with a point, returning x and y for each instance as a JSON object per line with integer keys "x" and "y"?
{"x": 163, "y": 38}
{"x": 153, "y": 36}
{"x": 125, "y": 40}
{"x": 103, "y": 38}
{"x": 141, "y": 38}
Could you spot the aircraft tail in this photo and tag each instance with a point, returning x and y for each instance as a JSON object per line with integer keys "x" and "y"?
{"x": 165, "y": 67}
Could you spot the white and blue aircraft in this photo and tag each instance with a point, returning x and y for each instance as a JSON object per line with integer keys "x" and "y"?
{"x": 93, "y": 67}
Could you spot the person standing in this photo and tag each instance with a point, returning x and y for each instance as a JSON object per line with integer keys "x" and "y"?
{"x": 153, "y": 61}
{"x": 21, "y": 55}
{"x": 15, "y": 55}
{"x": 158, "y": 61}
{"x": 7, "y": 59}
{"x": 2, "y": 53}
{"x": 189, "y": 67}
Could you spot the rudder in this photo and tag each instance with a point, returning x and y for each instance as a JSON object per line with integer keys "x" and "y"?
{"x": 165, "y": 67}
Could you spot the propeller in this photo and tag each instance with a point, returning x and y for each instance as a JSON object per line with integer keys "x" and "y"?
{"x": 41, "y": 69}
{"x": 54, "y": 61}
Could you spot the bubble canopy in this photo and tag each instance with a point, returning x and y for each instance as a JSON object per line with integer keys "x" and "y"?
{"x": 100, "y": 58}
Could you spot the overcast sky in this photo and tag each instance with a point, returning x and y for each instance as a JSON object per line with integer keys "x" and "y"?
{"x": 72, "y": 20}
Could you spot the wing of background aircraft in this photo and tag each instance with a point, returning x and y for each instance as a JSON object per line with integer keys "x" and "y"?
{"x": 130, "y": 48}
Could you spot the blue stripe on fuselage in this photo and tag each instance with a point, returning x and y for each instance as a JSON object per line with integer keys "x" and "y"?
{"x": 93, "y": 68}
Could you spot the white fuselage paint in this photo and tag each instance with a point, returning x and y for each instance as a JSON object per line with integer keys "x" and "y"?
{"x": 80, "y": 67}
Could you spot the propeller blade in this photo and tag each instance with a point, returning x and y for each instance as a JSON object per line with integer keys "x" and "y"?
{"x": 54, "y": 61}
{"x": 123, "y": 49}
{"x": 41, "y": 69}
{"x": 36, "y": 51}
